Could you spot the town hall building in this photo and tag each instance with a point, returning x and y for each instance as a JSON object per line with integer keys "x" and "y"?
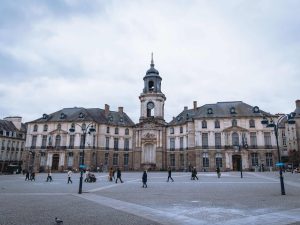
{"x": 228, "y": 135}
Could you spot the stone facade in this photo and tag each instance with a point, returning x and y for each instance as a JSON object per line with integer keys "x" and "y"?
{"x": 12, "y": 140}
{"x": 228, "y": 135}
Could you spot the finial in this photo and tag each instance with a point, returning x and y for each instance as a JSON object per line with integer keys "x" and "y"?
{"x": 152, "y": 62}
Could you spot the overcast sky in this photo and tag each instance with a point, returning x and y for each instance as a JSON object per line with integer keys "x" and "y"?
{"x": 57, "y": 54}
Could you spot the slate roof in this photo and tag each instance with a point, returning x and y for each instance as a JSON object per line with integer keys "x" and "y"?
{"x": 91, "y": 114}
{"x": 219, "y": 110}
{"x": 7, "y": 126}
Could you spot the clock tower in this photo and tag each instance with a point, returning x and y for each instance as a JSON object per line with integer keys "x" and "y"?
{"x": 152, "y": 99}
{"x": 150, "y": 132}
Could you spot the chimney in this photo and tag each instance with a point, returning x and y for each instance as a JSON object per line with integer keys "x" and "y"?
{"x": 195, "y": 104}
{"x": 298, "y": 103}
{"x": 185, "y": 108}
{"x": 106, "y": 109}
{"x": 120, "y": 109}
{"x": 16, "y": 120}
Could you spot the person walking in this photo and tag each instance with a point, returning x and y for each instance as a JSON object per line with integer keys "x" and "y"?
{"x": 69, "y": 176}
{"x": 110, "y": 174}
{"x": 32, "y": 176}
{"x": 49, "y": 177}
{"x": 87, "y": 176}
{"x": 194, "y": 174}
{"x": 119, "y": 175}
{"x": 169, "y": 174}
{"x": 27, "y": 175}
{"x": 144, "y": 179}
{"x": 218, "y": 172}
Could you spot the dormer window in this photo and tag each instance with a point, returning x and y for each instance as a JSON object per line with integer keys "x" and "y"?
{"x": 62, "y": 116}
{"x": 179, "y": 118}
{"x": 110, "y": 118}
{"x": 210, "y": 111}
{"x": 81, "y": 115}
{"x": 45, "y": 116}
{"x": 121, "y": 120}
{"x": 256, "y": 109}
{"x": 35, "y": 128}
{"x": 232, "y": 110}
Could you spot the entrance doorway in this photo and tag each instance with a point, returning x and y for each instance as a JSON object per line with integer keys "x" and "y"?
{"x": 55, "y": 161}
{"x": 236, "y": 163}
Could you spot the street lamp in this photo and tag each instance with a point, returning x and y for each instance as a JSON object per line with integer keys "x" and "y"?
{"x": 271, "y": 123}
{"x": 85, "y": 129}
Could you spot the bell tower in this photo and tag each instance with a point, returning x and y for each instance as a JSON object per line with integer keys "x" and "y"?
{"x": 152, "y": 99}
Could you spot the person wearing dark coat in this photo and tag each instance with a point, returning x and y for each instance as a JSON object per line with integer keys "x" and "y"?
{"x": 144, "y": 179}
{"x": 218, "y": 172}
{"x": 27, "y": 176}
{"x": 119, "y": 175}
{"x": 194, "y": 174}
{"x": 169, "y": 174}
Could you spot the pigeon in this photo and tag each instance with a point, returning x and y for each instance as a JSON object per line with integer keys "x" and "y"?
{"x": 58, "y": 221}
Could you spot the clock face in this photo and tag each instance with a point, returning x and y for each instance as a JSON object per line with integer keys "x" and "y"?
{"x": 150, "y": 105}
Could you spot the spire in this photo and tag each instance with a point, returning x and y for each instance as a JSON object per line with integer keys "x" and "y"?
{"x": 152, "y": 62}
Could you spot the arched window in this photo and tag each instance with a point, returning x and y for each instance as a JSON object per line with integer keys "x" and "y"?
{"x": 116, "y": 130}
{"x": 59, "y": 126}
{"x": 126, "y": 131}
{"x": 217, "y": 124}
{"x": 171, "y": 130}
{"x": 251, "y": 123}
{"x": 45, "y": 127}
{"x": 151, "y": 85}
{"x": 234, "y": 123}
{"x": 204, "y": 124}
{"x": 35, "y": 128}
{"x": 57, "y": 140}
{"x": 235, "y": 139}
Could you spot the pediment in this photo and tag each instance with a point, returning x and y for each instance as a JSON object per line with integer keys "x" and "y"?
{"x": 234, "y": 129}
{"x": 58, "y": 131}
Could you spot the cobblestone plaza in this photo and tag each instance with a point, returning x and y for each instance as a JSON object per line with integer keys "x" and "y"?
{"x": 255, "y": 199}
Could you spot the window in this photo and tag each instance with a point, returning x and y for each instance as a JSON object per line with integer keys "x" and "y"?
{"x": 82, "y": 140}
{"x": 234, "y": 123}
{"x": 267, "y": 139}
{"x": 116, "y": 130}
{"x": 181, "y": 143}
{"x": 106, "y": 158}
{"x": 116, "y": 143}
{"x": 235, "y": 139}
{"x": 171, "y": 130}
{"x": 45, "y": 127}
{"x": 126, "y": 131}
{"x": 72, "y": 140}
{"x": 251, "y": 123}
{"x": 253, "y": 141}
{"x": 126, "y": 157}
{"x": 218, "y": 140}
{"x": 219, "y": 162}
{"x": 57, "y": 141}
{"x": 94, "y": 141}
{"x": 44, "y": 141}
{"x": 33, "y": 143}
{"x": 284, "y": 141}
{"x": 172, "y": 159}
{"x": 181, "y": 130}
{"x": 35, "y": 128}
{"x": 70, "y": 159}
{"x": 205, "y": 159}
{"x": 151, "y": 85}
{"x": 217, "y": 124}
{"x": 83, "y": 126}
{"x": 204, "y": 124}
{"x": 269, "y": 160}
{"x": 59, "y": 126}
{"x": 181, "y": 160}
{"x": 107, "y": 143}
{"x": 205, "y": 140}
{"x": 126, "y": 144}
{"x": 172, "y": 144}
{"x": 107, "y": 130}
{"x": 80, "y": 158}
{"x": 3, "y": 145}
{"x": 115, "y": 159}
{"x": 254, "y": 159}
